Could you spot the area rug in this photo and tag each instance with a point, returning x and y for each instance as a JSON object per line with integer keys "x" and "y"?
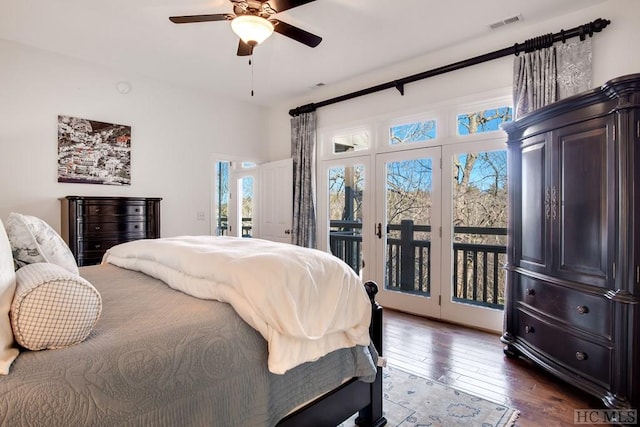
{"x": 410, "y": 400}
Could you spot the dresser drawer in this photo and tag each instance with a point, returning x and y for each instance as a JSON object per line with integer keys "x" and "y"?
{"x": 89, "y": 259}
{"x": 104, "y": 209}
{"x": 98, "y": 246}
{"x": 90, "y": 251}
{"x": 105, "y": 228}
{"x": 579, "y": 355}
{"x": 589, "y": 312}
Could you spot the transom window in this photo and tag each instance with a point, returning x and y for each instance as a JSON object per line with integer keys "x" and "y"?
{"x": 483, "y": 121}
{"x": 411, "y": 133}
{"x": 355, "y": 141}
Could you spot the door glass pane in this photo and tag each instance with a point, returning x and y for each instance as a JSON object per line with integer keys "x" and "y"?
{"x": 222, "y": 197}
{"x": 408, "y": 225}
{"x": 246, "y": 208}
{"x": 346, "y": 185}
{"x": 479, "y": 227}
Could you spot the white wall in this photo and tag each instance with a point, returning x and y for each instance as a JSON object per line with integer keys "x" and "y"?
{"x": 174, "y": 133}
{"x": 614, "y": 54}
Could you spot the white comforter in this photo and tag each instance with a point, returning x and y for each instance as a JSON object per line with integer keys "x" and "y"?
{"x": 305, "y": 302}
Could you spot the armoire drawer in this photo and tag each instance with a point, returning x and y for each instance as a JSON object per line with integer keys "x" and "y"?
{"x": 592, "y": 313}
{"x": 579, "y": 355}
{"x": 104, "y": 209}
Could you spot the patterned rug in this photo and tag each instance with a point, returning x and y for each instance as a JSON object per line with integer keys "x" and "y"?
{"x": 410, "y": 400}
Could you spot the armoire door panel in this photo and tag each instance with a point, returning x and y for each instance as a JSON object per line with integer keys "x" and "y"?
{"x": 534, "y": 208}
{"x": 583, "y": 196}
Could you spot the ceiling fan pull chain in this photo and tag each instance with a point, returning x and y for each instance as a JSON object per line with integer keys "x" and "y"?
{"x": 251, "y": 65}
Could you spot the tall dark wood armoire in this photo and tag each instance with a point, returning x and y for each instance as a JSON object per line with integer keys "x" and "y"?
{"x": 573, "y": 270}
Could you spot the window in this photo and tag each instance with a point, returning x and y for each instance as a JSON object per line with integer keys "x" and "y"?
{"x": 355, "y": 141}
{"x": 483, "y": 121}
{"x": 412, "y": 132}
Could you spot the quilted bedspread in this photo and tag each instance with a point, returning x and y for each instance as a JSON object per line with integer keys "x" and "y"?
{"x": 158, "y": 357}
{"x": 304, "y": 302}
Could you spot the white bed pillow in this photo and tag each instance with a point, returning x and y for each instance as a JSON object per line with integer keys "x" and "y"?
{"x": 52, "y": 308}
{"x": 33, "y": 240}
{"x": 7, "y": 287}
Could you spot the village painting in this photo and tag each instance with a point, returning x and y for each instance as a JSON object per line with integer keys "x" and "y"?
{"x": 92, "y": 152}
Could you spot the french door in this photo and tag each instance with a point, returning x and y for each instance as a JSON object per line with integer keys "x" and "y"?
{"x": 408, "y": 230}
{"x": 474, "y": 230}
{"x": 248, "y": 199}
{"x": 345, "y": 196}
{"x": 427, "y": 224}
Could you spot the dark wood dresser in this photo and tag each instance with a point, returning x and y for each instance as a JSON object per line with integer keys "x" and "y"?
{"x": 573, "y": 271}
{"x": 91, "y": 225}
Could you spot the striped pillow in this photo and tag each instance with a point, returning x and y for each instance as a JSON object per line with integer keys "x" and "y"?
{"x": 52, "y": 308}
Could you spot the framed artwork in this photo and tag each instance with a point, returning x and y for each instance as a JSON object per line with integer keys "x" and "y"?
{"x": 92, "y": 152}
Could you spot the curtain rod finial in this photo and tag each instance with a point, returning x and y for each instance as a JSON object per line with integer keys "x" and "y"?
{"x": 308, "y": 108}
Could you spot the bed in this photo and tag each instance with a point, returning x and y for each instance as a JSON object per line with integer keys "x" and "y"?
{"x": 158, "y": 356}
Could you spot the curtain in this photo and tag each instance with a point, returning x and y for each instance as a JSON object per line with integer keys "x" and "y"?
{"x": 550, "y": 74}
{"x": 303, "y": 149}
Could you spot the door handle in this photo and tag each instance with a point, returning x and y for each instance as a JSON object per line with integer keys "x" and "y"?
{"x": 287, "y": 231}
{"x": 378, "y": 230}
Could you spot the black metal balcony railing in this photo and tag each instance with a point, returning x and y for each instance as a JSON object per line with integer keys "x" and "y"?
{"x": 222, "y": 228}
{"x": 477, "y": 268}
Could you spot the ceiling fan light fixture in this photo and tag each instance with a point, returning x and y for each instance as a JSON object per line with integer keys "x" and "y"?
{"x": 252, "y": 29}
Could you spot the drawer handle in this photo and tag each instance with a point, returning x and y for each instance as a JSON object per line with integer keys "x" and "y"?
{"x": 97, "y": 210}
{"x": 136, "y": 226}
{"x": 98, "y": 246}
{"x": 582, "y": 309}
{"x": 581, "y": 355}
{"x": 530, "y": 291}
{"x": 97, "y": 227}
{"x": 529, "y": 329}
{"x": 137, "y": 209}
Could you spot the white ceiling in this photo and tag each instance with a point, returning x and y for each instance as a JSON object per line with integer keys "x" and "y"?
{"x": 137, "y": 38}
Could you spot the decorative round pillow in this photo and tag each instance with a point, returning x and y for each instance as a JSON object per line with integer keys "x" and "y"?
{"x": 52, "y": 308}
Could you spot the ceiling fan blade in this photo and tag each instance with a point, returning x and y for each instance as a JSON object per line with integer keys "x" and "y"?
{"x": 296, "y": 33}
{"x": 200, "y": 18}
{"x": 282, "y": 5}
{"x": 244, "y": 49}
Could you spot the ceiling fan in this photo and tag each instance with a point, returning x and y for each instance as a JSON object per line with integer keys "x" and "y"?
{"x": 253, "y": 22}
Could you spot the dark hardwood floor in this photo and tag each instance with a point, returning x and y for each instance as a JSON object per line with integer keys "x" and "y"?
{"x": 473, "y": 361}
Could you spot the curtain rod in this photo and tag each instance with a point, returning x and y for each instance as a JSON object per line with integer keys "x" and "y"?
{"x": 529, "y": 45}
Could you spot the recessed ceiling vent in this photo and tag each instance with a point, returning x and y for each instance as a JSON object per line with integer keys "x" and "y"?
{"x": 510, "y": 20}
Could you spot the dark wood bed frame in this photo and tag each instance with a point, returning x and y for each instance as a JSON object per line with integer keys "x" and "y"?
{"x": 353, "y": 396}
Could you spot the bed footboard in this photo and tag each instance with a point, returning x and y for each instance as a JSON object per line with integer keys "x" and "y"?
{"x": 353, "y": 396}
